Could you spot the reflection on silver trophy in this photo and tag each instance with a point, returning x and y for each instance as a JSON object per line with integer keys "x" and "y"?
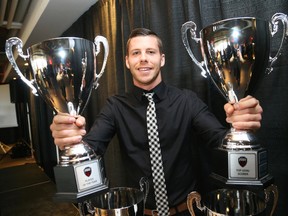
{"x": 64, "y": 74}
{"x": 121, "y": 201}
{"x": 236, "y": 55}
{"x": 233, "y": 202}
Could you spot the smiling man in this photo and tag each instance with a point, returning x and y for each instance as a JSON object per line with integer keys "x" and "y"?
{"x": 180, "y": 113}
{"x": 145, "y": 59}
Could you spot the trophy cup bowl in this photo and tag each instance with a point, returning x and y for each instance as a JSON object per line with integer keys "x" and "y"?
{"x": 234, "y": 202}
{"x": 120, "y": 201}
{"x": 64, "y": 75}
{"x": 236, "y": 56}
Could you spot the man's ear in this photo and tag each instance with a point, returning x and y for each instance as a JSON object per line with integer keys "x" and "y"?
{"x": 163, "y": 60}
{"x": 126, "y": 62}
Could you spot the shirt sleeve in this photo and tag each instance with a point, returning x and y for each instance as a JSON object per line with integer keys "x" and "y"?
{"x": 102, "y": 130}
{"x": 205, "y": 124}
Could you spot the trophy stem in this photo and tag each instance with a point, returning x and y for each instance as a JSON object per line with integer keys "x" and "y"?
{"x": 76, "y": 154}
{"x": 235, "y": 139}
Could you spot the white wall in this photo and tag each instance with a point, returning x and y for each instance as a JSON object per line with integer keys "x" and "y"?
{"x": 8, "y": 117}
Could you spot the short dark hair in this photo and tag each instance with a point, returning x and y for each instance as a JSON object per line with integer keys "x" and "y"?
{"x": 144, "y": 32}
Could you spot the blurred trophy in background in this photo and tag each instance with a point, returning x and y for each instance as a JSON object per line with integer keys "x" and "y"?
{"x": 64, "y": 74}
{"x": 236, "y": 55}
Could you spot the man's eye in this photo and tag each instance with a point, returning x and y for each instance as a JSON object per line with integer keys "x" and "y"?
{"x": 135, "y": 53}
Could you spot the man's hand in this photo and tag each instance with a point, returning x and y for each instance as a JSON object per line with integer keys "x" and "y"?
{"x": 244, "y": 115}
{"x": 67, "y": 130}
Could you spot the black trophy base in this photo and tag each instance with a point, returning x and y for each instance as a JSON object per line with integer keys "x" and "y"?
{"x": 236, "y": 167}
{"x": 78, "y": 182}
{"x": 80, "y": 196}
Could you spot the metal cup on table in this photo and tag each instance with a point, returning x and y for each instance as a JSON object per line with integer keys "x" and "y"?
{"x": 236, "y": 202}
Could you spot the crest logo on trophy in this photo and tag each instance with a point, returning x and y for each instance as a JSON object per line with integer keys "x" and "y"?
{"x": 242, "y": 161}
{"x": 236, "y": 55}
{"x": 64, "y": 75}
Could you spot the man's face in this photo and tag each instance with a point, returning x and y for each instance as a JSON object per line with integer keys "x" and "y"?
{"x": 144, "y": 60}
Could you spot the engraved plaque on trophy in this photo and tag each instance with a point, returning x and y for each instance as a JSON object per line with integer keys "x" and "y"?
{"x": 236, "y": 55}
{"x": 64, "y": 75}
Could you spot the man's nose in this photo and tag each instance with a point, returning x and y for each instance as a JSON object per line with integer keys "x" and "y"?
{"x": 143, "y": 57}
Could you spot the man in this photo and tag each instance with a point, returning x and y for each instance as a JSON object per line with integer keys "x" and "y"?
{"x": 179, "y": 114}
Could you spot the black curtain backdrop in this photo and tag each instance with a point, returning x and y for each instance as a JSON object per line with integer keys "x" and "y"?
{"x": 114, "y": 19}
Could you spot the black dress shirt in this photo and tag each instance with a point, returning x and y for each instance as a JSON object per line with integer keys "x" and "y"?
{"x": 180, "y": 115}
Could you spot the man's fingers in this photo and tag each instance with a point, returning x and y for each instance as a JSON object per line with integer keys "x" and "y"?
{"x": 255, "y": 110}
{"x": 229, "y": 109}
{"x": 61, "y": 122}
{"x": 246, "y": 114}
{"x": 67, "y": 130}
{"x": 252, "y": 125}
{"x": 244, "y": 118}
{"x": 68, "y": 141}
{"x": 80, "y": 122}
{"x": 64, "y": 119}
{"x": 247, "y": 102}
{"x": 244, "y": 106}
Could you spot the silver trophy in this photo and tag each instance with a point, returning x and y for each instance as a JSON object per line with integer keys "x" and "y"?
{"x": 236, "y": 202}
{"x": 64, "y": 74}
{"x": 236, "y": 55}
{"x": 120, "y": 201}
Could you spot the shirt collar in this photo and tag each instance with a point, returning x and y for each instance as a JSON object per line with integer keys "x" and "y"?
{"x": 159, "y": 91}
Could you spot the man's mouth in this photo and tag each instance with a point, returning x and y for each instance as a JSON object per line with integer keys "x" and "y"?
{"x": 144, "y": 69}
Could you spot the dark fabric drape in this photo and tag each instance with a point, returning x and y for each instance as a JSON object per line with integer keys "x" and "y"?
{"x": 114, "y": 19}
{"x": 44, "y": 149}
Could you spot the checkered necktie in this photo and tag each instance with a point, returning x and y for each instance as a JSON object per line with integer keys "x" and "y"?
{"x": 156, "y": 159}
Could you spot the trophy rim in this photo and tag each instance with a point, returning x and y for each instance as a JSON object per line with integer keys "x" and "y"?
{"x": 261, "y": 204}
{"x": 231, "y": 19}
{"x": 61, "y": 42}
{"x": 140, "y": 197}
{"x": 59, "y": 38}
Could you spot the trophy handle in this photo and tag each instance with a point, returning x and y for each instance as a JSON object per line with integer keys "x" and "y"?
{"x": 89, "y": 207}
{"x": 100, "y": 39}
{"x": 14, "y": 41}
{"x": 273, "y": 30}
{"x": 81, "y": 209}
{"x": 192, "y": 27}
{"x": 194, "y": 197}
{"x": 272, "y": 188}
{"x": 144, "y": 187}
